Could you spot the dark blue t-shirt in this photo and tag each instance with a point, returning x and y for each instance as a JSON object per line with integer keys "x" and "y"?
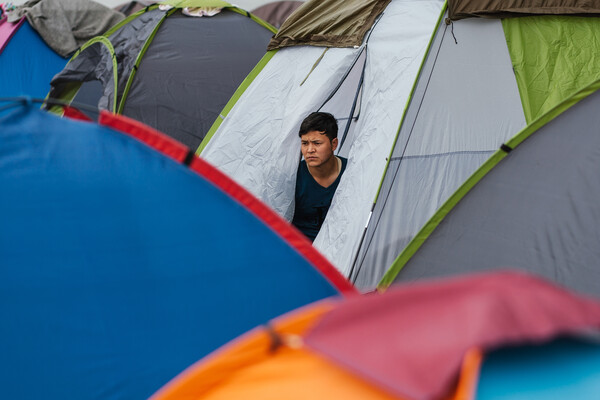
{"x": 312, "y": 200}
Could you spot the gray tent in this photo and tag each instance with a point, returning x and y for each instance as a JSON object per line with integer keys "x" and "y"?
{"x": 173, "y": 68}
{"x": 422, "y": 102}
{"x": 483, "y": 81}
{"x": 534, "y": 205}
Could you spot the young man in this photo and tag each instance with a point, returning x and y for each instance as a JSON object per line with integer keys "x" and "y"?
{"x": 318, "y": 174}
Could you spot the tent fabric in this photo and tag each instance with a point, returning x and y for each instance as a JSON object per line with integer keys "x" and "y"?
{"x": 98, "y": 68}
{"x": 27, "y": 64}
{"x": 251, "y": 361}
{"x": 291, "y": 374}
{"x": 346, "y": 104}
{"x": 224, "y": 65}
{"x": 7, "y": 30}
{"x": 258, "y": 145}
{"x": 255, "y": 131}
{"x": 534, "y": 208}
{"x": 234, "y": 98}
{"x": 181, "y": 154}
{"x": 198, "y": 3}
{"x": 121, "y": 266}
{"x": 384, "y": 96}
{"x": 548, "y": 73}
{"x": 66, "y": 25}
{"x": 447, "y": 133}
{"x": 96, "y": 61}
{"x": 162, "y": 80}
{"x": 430, "y": 327}
{"x": 438, "y": 329}
{"x": 339, "y": 23}
{"x": 565, "y": 368}
{"x": 459, "y": 9}
{"x": 276, "y": 12}
{"x": 102, "y": 80}
{"x": 131, "y": 7}
{"x": 423, "y": 121}
{"x": 443, "y": 141}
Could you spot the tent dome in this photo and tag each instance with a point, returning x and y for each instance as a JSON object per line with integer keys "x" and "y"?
{"x": 173, "y": 68}
{"x": 123, "y": 258}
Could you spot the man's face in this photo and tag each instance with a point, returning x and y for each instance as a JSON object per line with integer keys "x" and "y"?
{"x": 316, "y": 148}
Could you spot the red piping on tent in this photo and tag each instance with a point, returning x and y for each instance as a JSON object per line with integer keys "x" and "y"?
{"x": 74, "y": 113}
{"x": 179, "y": 152}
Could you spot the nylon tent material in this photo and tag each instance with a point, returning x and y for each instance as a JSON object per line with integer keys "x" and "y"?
{"x": 507, "y": 8}
{"x": 454, "y": 123}
{"x": 564, "y": 368}
{"x": 534, "y": 208}
{"x": 27, "y": 64}
{"x": 422, "y": 342}
{"x": 553, "y": 57}
{"x": 257, "y": 142}
{"x": 330, "y": 24}
{"x": 167, "y": 69}
{"x": 276, "y": 12}
{"x": 65, "y": 25}
{"x": 131, "y": 7}
{"x": 124, "y": 258}
{"x": 247, "y": 368}
{"x": 451, "y": 127}
{"x": 425, "y": 113}
{"x": 248, "y": 155}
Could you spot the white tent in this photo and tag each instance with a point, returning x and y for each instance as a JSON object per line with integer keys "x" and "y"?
{"x": 257, "y": 143}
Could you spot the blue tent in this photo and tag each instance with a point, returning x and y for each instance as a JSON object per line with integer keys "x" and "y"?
{"x": 27, "y": 63}
{"x": 121, "y": 265}
{"x": 565, "y": 368}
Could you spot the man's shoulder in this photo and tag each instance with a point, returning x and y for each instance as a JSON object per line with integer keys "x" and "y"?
{"x": 344, "y": 163}
{"x": 302, "y": 166}
{"x": 303, "y": 173}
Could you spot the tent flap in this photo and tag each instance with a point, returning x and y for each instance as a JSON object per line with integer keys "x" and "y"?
{"x": 459, "y": 9}
{"x": 341, "y": 23}
{"x": 553, "y": 57}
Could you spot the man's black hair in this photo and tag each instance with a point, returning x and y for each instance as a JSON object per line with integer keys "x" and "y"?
{"x": 320, "y": 122}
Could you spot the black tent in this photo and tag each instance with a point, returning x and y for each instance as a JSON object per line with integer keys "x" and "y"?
{"x": 173, "y": 68}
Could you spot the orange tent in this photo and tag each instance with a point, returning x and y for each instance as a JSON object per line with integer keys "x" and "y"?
{"x": 419, "y": 342}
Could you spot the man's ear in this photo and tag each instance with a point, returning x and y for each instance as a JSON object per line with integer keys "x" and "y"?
{"x": 334, "y": 143}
